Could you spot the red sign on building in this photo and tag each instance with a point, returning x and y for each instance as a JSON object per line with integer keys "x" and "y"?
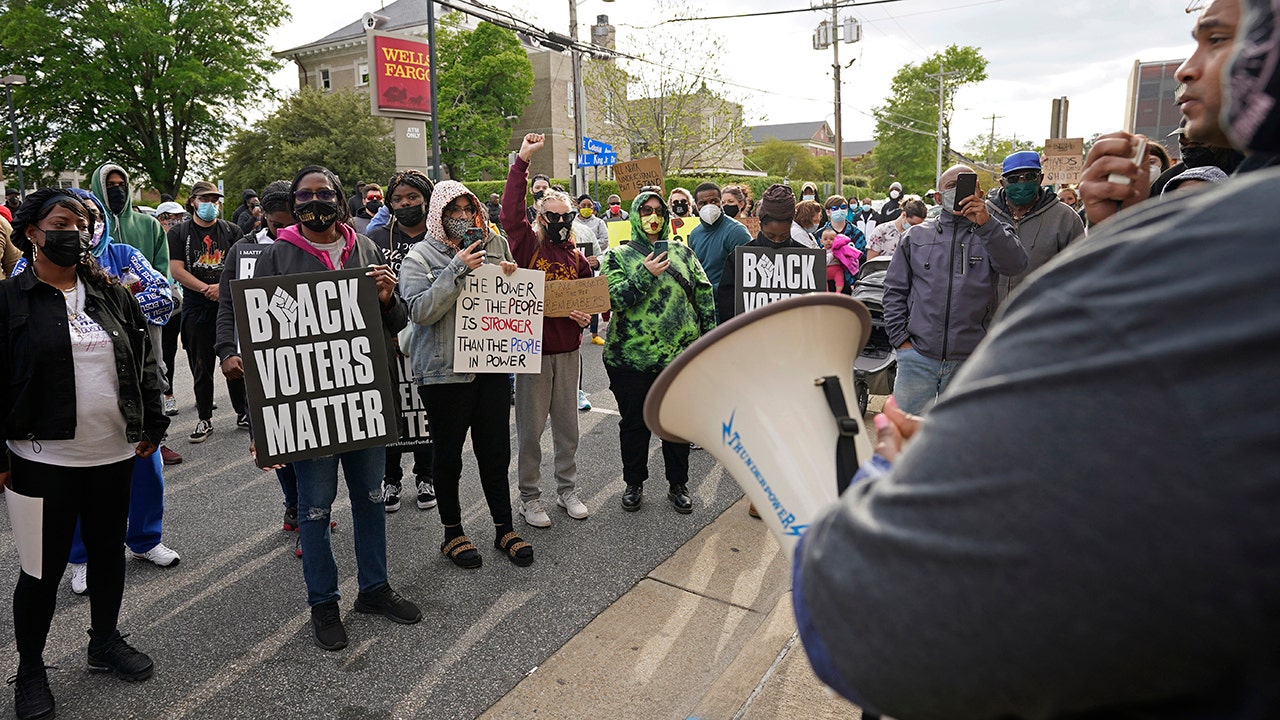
{"x": 401, "y": 79}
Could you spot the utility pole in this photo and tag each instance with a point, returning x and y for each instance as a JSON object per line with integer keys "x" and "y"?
{"x": 942, "y": 75}
{"x": 435, "y": 116}
{"x": 832, "y": 34}
{"x": 991, "y": 139}
{"x": 579, "y": 174}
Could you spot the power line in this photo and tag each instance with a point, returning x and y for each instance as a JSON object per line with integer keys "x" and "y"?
{"x": 839, "y": 6}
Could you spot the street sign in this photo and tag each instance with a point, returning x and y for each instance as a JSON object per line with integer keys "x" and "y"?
{"x": 595, "y": 147}
{"x": 601, "y": 160}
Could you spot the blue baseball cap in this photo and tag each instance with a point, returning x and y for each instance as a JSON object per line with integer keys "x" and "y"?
{"x": 1021, "y": 160}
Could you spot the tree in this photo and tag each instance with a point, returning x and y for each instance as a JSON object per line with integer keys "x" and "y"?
{"x": 993, "y": 149}
{"x": 907, "y": 124}
{"x": 313, "y": 126}
{"x": 778, "y": 157}
{"x": 484, "y": 83}
{"x": 153, "y": 85}
{"x": 654, "y": 109}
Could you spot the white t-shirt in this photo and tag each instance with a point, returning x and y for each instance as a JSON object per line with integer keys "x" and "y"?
{"x": 334, "y": 249}
{"x": 100, "y": 426}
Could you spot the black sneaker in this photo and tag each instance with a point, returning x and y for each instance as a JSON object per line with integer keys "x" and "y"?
{"x": 327, "y": 622}
{"x": 291, "y": 519}
{"x": 115, "y": 655}
{"x": 391, "y": 498}
{"x": 204, "y": 429}
{"x": 32, "y": 697}
{"x": 242, "y": 421}
{"x": 426, "y": 495}
{"x": 385, "y": 601}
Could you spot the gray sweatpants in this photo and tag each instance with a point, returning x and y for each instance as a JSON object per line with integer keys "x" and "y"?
{"x": 553, "y": 391}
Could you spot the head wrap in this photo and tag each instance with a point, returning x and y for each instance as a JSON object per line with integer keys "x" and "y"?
{"x": 778, "y": 203}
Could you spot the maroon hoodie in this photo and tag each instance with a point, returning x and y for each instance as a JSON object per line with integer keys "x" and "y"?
{"x": 560, "y": 261}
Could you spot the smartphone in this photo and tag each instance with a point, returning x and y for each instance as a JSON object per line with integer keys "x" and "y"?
{"x": 966, "y": 186}
{"x": 473, "y": 235}
{"x": 1139, "y": 157}
{"x": 659, "y": 247}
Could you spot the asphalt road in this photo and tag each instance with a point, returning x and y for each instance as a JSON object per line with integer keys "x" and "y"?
{"x": 229, "y": 626}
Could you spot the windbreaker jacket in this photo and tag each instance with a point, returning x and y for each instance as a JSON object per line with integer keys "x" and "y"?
{"x": 431, "y": 290}
{"x": 940, "y": 291}
{"x": 133, "y": 228}
{"x": 38, "y": 399}
{"x": 1044, "y": 232}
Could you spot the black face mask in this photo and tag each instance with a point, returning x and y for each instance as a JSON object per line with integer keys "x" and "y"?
{"x": 730, "y": 210}
{"x": 680, "y": 207}
{"x": 537, "y": 194}
{"x": 317, "y": 215}
{"x": 409, "y": 216}
{"x": 117, "y": 199}
{"x": 558, "y": 232}
{"x": 64, "y": 247}
{"x": 1197, "y": 156}
{"x": 373, "y": 206}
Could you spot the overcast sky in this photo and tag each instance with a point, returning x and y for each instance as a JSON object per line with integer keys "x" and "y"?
{"x": 1037, "y": 49}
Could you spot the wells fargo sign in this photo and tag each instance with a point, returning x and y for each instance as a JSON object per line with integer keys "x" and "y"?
{"x": 401, "y": 78}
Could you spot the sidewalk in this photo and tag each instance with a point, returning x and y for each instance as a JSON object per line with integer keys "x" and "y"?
{"x": 709, "y": 634}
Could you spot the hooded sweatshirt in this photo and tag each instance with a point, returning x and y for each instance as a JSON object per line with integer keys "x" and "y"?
{"x": 559, "y": 260}
{"x": 1044, "y": 232}
{"x": 134, "y": 228}
{"x": 654, "y": 318}
{"x": 431, "y": 289}
{"x": 127, "y": 266}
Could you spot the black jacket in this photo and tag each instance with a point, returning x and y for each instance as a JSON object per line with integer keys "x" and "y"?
{"x": 38, "y": 401}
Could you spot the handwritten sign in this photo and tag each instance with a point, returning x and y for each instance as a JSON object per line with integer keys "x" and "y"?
{"x": 635, "y": 174}
{"x": 499, "y": 322}
{"x": 590, "y": 295}
{"x": 620, "y": 230}
{"x": 1063, "y": 161}
{"x": 766, "y": 275}
{"x": 415, "y": 431}
{"x": 316, "y": 367}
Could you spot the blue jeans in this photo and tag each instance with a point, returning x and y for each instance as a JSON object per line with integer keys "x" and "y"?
{"x": 921, "y": 380}
{"x": 317, "y": 488}
{"x": 288, "y": 485}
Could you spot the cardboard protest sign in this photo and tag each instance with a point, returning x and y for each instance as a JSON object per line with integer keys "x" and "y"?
{"x": 413, "y": 413}
{"x": 766, "y": 275}
{"x": 1063, "y": 162}
{"x": 315, "y": 364}
{"x": 635, "y": 174}
{"x": 499, "y": 322}
{"x": 590, "y": 295}
{"x": 620, "y": 230}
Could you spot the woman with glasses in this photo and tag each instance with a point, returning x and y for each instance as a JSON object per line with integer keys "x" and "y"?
{"x": 549, "y": 246}
{"x": 458, "y": 241}
{"x": 323, "y": 240}
{"x": 662, "y": 302}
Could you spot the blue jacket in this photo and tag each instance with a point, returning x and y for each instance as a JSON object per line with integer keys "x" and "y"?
{"x": 714, "y": 243}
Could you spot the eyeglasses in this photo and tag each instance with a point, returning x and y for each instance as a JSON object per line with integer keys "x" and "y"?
{"x": 839, "y": 207}
{"x": 209, "y": 197}
{"x": 1028, "y": 176}
{"x": 467, "y": 209}
{"x": 306, "y": 196}
{"x": 555, "y": 217}
{"x": 647, "y": 210}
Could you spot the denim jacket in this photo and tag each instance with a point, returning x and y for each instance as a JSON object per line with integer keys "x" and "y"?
{"x": 432, "y": 291}
{"x": 38, "y": 397}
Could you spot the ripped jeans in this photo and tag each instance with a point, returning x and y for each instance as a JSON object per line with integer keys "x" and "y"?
{"x": 317, "y": 488}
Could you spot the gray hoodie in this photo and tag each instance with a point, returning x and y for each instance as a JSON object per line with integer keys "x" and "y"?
{"x": 1044, "y": 232}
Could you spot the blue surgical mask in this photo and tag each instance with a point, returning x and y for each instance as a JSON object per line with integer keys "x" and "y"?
{"x": 838, "y": 216}
{"x": 206, "y": 211}
{"x": 866, "y": 208}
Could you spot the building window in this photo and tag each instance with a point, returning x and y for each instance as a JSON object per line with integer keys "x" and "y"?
{"x": 324, "y": 80}
{"x": 362, "y": 74}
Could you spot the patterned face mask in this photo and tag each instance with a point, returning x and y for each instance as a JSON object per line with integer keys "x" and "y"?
{"x": 456, "y": 228}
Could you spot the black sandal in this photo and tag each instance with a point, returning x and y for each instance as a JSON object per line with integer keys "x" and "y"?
{"x": 518, "y": 551}
{"x": 462, "y": 552}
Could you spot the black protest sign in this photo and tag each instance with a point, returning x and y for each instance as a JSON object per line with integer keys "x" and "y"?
{"x": 415, "y": 432}
{"x": 765, "y": 275}
{"x": 315, "y": 362}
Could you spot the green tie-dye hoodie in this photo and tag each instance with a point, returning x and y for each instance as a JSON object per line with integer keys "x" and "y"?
{"x": 654, "y": 318}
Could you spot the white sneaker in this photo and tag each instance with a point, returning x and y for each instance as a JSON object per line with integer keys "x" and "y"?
{"x": 79, "y": 578}
{"x": 583, "y": 403}
{"x": 160, "y": 555}
{"x": 535, "y": 515}
{"x": 572, "y": 505}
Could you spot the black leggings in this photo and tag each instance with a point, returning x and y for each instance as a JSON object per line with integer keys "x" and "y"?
{"x": 630, "y": 388}
{"x": 203, "y": 358}
{"x": 172, "y": 331}
{"x": 483, "y": 406}
{"x": 99, "y": 497}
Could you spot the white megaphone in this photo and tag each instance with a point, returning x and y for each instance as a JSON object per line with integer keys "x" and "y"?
{"x": 765, "y": 393}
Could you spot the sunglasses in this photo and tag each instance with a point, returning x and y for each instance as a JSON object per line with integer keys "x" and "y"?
{"x": 306, "y": 196}
{"x": 839, "y": 207}
{"x": 555, "y": 217}
{"x": 646, "y": 211}
{"x": 369, "y": 198}
{"x": 1028, "y": 176}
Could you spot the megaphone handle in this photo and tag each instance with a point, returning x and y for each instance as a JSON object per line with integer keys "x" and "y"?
{"x": 846, "y": 448}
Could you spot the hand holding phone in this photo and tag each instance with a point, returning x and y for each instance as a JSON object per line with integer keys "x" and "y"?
{"x": 966, "y": 186}
{"x": 659, "y": 247}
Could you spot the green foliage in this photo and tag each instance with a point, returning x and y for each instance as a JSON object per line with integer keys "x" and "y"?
{"x": 153, "y": 85}
{"x": 313, "y": 126}
{"x": 906, "y": 125}
{"x": 484, "y": 83}
{"x": 993, "y": 149}
{"x": 778, "y": 157}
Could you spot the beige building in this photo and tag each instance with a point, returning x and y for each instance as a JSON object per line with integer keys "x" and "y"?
{"x": 340, "y": 60}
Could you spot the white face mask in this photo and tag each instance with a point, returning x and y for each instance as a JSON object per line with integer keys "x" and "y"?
{"x": 709, "y": 214}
